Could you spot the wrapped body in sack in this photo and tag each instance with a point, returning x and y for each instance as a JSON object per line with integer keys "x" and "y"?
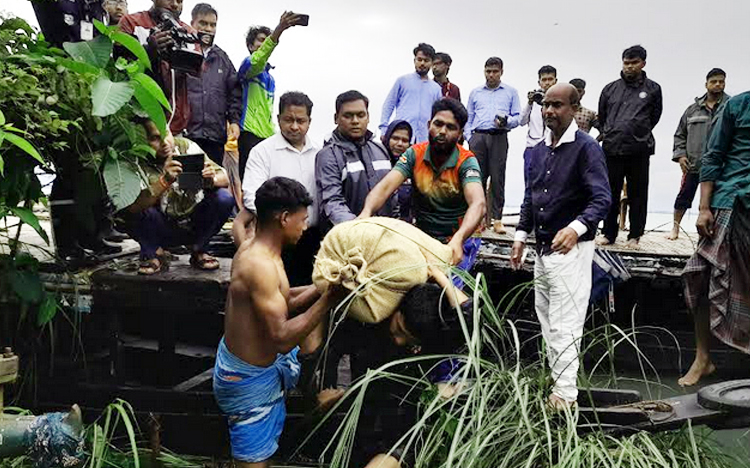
{"x": 379, "y": 258}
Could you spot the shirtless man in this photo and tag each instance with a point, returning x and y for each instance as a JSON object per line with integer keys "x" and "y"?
{"x": 257, "y": 359}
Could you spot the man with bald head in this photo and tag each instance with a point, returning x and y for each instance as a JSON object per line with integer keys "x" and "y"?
{"x": 567, "y": 195}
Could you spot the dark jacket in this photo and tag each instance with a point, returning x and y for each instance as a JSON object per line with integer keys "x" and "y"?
{"x": 564, "y": 184}
{"x": 61, "y": 21}
{"x": 345, "y": 173}
{"x": 389, "y": 132}
{"x": 691, "y": 136}
{"x": 215, "y": 97}
{"x": 628, "y": 112}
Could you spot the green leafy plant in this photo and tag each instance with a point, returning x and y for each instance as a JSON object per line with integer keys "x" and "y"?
{"x": 73, "y": 111}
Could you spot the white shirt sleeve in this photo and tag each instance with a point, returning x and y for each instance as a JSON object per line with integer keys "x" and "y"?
{"x": 521, "y": 236}
{"x": 257, "y": 171}
{"x": 578, "y": 227}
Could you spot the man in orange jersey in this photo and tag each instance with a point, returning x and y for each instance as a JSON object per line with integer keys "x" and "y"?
{"x": 447, "y": 192}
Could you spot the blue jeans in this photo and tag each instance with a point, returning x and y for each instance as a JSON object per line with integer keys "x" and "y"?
{"x": 152, "y": 229}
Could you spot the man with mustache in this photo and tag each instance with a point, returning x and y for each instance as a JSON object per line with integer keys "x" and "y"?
{"x": 448, "y": 197}
{"x": 567, "y": 195}
{"x": 413, "y": 95}
{"x": 291, "y": 154}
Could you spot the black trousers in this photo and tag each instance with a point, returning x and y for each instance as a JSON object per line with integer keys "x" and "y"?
{"x": 247, "y": 142}
{"x": 214, "y": 149}
{"x": 299, "y": 259}
{"x": 492, "y": 154}
{"x": 634, "y": 169}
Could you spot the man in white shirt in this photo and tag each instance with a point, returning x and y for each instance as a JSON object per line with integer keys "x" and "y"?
{"x": 290, "y": 154}
{"x": 531, "y": 114}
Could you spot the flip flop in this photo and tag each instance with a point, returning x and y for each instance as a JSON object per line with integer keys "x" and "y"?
{"x": 152, "y": 266}
{"x": 203, "y": 261}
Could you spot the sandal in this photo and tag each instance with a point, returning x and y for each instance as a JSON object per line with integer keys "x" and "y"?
{"x": 203, "y": 261}
{"x": 151, "y": 266}
{"x": 165, "y": 255}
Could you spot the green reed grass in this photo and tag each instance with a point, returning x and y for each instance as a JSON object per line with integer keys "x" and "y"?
{"x": 500, "y": 416}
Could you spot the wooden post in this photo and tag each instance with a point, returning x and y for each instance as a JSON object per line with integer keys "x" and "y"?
{"x": 8, "y": 371}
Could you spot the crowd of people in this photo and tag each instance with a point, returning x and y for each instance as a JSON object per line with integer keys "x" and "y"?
{"x": 437, "y": 164}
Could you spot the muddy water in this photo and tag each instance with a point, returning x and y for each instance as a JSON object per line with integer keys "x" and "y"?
{"x": 735, "y": 441}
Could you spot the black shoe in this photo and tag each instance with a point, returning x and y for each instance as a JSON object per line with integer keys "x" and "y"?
{"x": 113, "y": 235}
{"x": 101, "y": 248}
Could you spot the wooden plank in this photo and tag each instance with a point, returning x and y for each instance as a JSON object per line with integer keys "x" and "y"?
{"x": 194, "y": 381}
{"x": 652, "y": 244}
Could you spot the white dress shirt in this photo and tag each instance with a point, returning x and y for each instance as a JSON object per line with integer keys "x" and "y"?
{"x": 276, "y": 157}
{"x": 532, "y": 116}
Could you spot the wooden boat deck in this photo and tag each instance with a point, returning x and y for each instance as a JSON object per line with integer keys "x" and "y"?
{"x": 655, "y": 256}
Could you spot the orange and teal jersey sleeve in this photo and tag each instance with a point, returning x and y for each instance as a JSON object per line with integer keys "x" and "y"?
{"x": 405, "y": 164}
{"x": 469, "y": 171}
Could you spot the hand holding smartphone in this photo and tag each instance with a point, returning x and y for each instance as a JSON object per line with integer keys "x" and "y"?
{"x": 302, "y": 20}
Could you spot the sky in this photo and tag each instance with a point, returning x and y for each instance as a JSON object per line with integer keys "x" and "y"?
{"x": 366, "y": 45}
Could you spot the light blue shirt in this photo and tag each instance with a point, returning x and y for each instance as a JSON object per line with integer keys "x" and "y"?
{"x": 412, "y": 98}
{"x": 485, "y": 103}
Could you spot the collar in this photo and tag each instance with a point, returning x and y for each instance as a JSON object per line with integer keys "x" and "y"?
{"x": 701, "y": 101}
{"x": 568, "y": 137}
{"x": 636, "y": 82}
{"x": 448, "y": 164}
{"x": 282, "y": 143}
{"x": 500, "y": 86}
{"x": 341, "y": 140}
{"x": 426, "y": 77}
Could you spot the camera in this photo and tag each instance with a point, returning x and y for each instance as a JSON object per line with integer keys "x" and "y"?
{"x": 501, "y": 120}
{"x": 538, "y": 96}
{"x": 180, "y": 56}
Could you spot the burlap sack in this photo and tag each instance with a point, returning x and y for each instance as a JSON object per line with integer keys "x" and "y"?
{"x": 381, "y": 258}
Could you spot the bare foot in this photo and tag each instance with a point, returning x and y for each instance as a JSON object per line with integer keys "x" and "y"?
{"x": 633, "y": 244}
{"x": 700, "y": 368}
{"x": 556, "y": 403}
{"x": 328, "y": 397}
{"x": 498, "y": 227}
{"x": 673, "y": 235}
{"x": 603, "y": 240}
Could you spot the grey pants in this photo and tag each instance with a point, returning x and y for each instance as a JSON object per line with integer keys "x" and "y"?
{"x": 492, "y": 154}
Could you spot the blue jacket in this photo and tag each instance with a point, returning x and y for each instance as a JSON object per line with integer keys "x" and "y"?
{"x": 215, "y": 98}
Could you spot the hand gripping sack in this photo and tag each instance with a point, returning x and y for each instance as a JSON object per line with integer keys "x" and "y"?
{"x": 380, "y": 258}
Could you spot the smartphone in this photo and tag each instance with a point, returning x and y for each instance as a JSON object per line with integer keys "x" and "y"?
{"x": 191, "y": 162}
{"x": 302, "y": 20}
{"x": 191, "y": 177}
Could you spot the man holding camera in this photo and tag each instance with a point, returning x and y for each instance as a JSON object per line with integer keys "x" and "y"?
{"x": 493, "y": 111}
{"x": 215, "y": 97}
{"x": 532, "y": 112}
{"x": 156, "y": 30}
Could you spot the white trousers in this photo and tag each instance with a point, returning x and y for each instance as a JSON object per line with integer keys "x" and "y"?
{"x": 562, "y": 286}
